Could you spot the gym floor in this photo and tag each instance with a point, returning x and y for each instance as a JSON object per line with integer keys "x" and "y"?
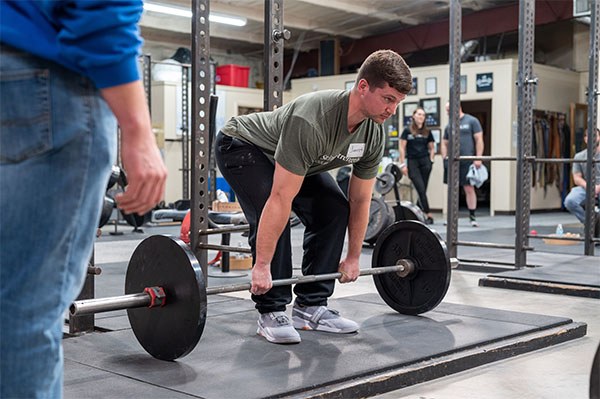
{"x": 557, "y": 371}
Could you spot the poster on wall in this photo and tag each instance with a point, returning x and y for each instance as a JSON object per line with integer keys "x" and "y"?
{"x": 431, "y": 106}
{"x": 415, "y": 84}
{"x": 430, "y": 86}
{"x": 484, "y": 82}
{"x": 407, "y": 111}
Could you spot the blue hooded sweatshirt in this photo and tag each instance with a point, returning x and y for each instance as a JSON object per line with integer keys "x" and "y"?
{"x": 98, "y": 39}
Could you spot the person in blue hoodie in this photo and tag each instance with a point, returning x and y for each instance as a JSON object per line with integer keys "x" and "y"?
{"x": 67, "y": 68}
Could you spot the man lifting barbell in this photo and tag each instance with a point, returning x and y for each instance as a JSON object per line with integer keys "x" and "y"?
{"x": 277, "y": 162}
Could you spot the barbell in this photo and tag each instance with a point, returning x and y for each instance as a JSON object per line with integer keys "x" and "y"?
{"x": 165, "y": 291}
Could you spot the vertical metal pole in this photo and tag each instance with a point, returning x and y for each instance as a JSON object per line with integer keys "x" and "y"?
{"x": 526, "y": 83}
{"x": 273, "y": 58}
{"x": 185, "y": 133}
{"x": 85, "y": 323}
{"x": 212, "y": 172}
{"x": 590, "y": 170}
{"x": 454, "y": 130}
{"x": 201, "y": 88}
{"x": 146, "y": 79}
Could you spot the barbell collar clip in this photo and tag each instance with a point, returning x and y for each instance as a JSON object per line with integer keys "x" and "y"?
{"x": 157, "y": 296}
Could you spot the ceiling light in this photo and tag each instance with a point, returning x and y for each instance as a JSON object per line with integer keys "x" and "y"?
{"x": 182, "y": 12}
{"x": 227, "y": 19}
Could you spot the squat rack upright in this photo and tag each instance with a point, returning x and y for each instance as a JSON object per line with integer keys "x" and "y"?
{"x": 201, "y": 91}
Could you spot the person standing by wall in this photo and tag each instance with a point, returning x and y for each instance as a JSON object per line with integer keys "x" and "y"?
{"x": 471, "y": 143}
{"x": 64, "y": 66}
{"x": 417, "y": 151}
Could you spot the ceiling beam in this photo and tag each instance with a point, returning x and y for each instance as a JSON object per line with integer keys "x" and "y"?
{"x": 362, "y": 11}
{"x": 353, "y": 8}
{"x": 290, "y": 21}
{"x": 475, "y": 25}
{"x": 184, "y": 25}
{"x": 171, "y": 26}
{"x": 256, "y": 14}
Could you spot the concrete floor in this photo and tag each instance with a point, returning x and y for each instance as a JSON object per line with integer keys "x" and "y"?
{"x": 561, "y": 371}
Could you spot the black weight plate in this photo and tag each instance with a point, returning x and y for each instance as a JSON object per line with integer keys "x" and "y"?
{"x": 135, "y": 220}
{"x": 171, "y": 331}
{"x": 426, "y": 286}
{"x": 381, "y": 215}
{"x": 115, "y": 174}
{"x": 409, "y": 211}
{"x": 385, "y": 183}
{"x": 394, "y": 170}
{"x": 107, "y": 208}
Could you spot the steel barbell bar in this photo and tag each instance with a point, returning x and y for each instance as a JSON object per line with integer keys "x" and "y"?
{"x": 144, "y": 299}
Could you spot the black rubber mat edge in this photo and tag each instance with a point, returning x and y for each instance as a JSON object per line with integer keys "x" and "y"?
{"x": 541, "y": 286}
{"x": 437, "y": 367}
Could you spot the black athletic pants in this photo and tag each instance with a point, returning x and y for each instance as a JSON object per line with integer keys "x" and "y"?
{"x": 320, "y": 205}
{"x": 419, "y": 170}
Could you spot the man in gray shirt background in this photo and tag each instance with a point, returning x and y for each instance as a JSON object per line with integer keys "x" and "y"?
{"x": 471, "y": 143}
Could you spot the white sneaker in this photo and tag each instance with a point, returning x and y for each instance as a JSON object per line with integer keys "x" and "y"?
{"x": 321, "y": 318}
{"x": 276, "y": 327}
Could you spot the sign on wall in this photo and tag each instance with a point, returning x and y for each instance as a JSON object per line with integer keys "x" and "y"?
{"x": 484, "y": 82}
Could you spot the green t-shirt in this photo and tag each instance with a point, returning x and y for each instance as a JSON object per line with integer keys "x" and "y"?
{"x": 310, "y": 135}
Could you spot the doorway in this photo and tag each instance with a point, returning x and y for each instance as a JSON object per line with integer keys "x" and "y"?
{"x": 482, "y": 110}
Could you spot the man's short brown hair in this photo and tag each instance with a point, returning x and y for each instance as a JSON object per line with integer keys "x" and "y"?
{"x": 386, "y": 66}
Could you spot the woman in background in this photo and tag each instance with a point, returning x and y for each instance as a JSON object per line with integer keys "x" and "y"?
{"x": 416, "y": 155}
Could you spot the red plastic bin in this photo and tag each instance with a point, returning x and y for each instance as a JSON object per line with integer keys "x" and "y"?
{"x": 233, "y": 75}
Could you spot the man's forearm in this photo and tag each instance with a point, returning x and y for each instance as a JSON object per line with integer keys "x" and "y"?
{"x": 479, "y": 147}
{"x": 273, "y": 220}
{"x": 357, "y": 227}
{"x": 579, "y": 181}
{"x": 128, "y": 103}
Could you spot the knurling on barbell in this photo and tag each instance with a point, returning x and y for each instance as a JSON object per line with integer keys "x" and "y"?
{"x": 410, "y": 266}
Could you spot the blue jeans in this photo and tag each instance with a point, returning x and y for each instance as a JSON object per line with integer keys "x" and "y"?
{"x": 57, "y": 144}
{"x": 574, "y": 203}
